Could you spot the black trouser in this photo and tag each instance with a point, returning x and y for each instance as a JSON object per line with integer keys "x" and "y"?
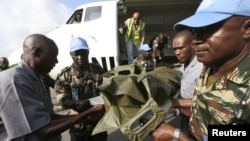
{"x": 83, "y": 135}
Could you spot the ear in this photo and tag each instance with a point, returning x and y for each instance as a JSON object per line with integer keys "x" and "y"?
{"x": 246, "y": 26}
{"x": 70, "y": 53}
{"x": 37, "y": 52}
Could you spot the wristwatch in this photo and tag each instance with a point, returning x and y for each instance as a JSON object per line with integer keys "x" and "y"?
{"x": 176, "y": 134}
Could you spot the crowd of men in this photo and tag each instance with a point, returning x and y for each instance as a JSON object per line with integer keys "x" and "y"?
{"x": 214, "y": 53}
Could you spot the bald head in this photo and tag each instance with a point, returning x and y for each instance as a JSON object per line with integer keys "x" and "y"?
{"x": 4, "y": 63}
{"x": 184, "y": 35}
{"x": 40, "y": 53}
{"x": 136, "y": 18}
{"x": 36, "y": 41}
{"x": 3, "y": 58}
{"x": 136, "y": 14}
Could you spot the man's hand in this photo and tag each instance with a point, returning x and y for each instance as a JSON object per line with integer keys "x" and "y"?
{"x": 97, "y": 108}
{"x": 97, "y": 112}
{"x": 164, "y": 132}
{"x": 81, "y": 105}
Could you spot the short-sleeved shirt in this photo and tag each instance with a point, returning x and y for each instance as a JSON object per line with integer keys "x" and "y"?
{"x": 25, "y": 105}
{"x": 217, "y": 103}
{"x": 189, "y": 78}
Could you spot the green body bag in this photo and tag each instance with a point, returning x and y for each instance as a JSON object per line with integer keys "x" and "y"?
{"x": 135, "y": 101}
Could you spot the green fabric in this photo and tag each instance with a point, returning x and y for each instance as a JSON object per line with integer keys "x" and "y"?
{"x": 129, "y": 94}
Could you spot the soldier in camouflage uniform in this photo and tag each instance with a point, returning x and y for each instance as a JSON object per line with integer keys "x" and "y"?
{"x": 223, "y": 45}
{"x": 145, "y": 60}
{"x": 75, "y": 85}
{"x": 159, "y": 42}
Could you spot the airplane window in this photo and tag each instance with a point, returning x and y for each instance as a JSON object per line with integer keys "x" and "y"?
{"x": 92, "y": 13}
{"x": 76, "y": 17}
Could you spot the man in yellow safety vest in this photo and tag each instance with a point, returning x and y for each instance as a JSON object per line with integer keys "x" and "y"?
{"x": 134, "y": 30}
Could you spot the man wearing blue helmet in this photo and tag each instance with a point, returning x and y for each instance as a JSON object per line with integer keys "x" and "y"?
{"x": 75, "y": 85}
{"x": 221, "y": 41}
{"x": 145, "y": 60}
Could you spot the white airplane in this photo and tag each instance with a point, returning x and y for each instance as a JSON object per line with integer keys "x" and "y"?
{"x": 99, "y": 25}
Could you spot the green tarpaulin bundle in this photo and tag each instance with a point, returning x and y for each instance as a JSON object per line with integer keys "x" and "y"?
{"x": 134, "y": 100}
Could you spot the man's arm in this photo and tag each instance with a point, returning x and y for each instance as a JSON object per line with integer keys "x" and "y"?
{"x": 143, "y": 34}
{"x": 61, "y": 123}
{"x": 183, "y": 105}
{"x": 143, "y": 39}
{"x": 166, "y": 132}
{"x": 154, "y": 47}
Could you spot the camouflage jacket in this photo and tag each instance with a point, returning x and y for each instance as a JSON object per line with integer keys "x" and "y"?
{"x": 86, "y": 84}
{"x": 218, "y": 103}
{"x": 141, "y": 63}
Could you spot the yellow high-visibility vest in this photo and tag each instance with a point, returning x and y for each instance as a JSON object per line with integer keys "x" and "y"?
{"x": 138, "y": 32}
